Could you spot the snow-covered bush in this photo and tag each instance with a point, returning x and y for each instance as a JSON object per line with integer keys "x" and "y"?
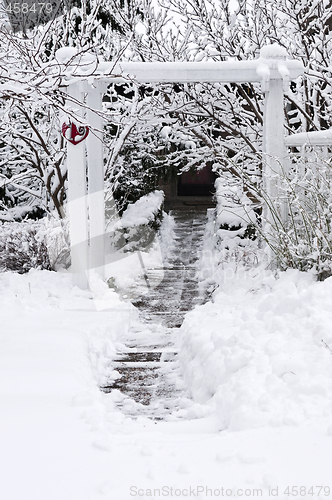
{"x": 22, "y": 247}
{"x": 41, "y": 244}
{"x": 304, "y": 241}
{"x": 301, "y": 241}
{"x": 230, "y": 241}
{"x": 137, "y": 227}
{"x": 235, "y": 217}
{"x": 224, "y": 258}
{"x": 56, "y": 236}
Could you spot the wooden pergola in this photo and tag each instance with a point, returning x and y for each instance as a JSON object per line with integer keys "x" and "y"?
{"x": 89, "y": 82}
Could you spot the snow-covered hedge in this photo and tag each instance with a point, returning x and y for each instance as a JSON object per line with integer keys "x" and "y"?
{"x": 234, "y": 208}
{"x": 234, "y": 214}
{"x": 144, "y": 211}
{"x": 44, "y": 244}
{"x": 22, "y": 247}
{"x": 40, "y": 244}
{"x": 136, "y": 228}
{"x": 224, "y": 253}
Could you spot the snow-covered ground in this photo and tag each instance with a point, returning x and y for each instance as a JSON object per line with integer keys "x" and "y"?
{"x": 253, "y": 360}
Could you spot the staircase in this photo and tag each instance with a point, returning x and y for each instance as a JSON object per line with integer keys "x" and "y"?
{"x": 149, "y": 375}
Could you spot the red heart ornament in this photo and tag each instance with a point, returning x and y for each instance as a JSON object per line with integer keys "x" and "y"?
{"x": 74, "y": 134}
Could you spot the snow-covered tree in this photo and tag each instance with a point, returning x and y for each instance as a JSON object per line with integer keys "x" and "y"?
{"x": 32, "y": 150}
{"x": 165, "y": 126}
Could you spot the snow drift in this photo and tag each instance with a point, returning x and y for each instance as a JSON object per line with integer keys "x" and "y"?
{"x": 260, "y": 355}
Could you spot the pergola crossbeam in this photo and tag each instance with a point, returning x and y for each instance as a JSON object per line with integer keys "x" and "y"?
{"x": 191, "y": 72}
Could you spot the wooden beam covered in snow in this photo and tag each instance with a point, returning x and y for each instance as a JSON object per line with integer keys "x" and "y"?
{"x": 316, "y": 138}
{"x": 191, "y": 72}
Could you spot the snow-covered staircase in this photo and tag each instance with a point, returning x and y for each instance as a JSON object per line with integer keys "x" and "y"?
{"x": 149, "y": 375}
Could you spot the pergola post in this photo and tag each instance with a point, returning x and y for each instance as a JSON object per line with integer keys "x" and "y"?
{"x": 96, "y": 180}
{"x": 274, "y": 149}
{"x": 77, "y": 199}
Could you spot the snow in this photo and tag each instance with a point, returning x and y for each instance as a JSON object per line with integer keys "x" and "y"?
{"x": 273, "y": 51}
{"x": 142, "y": 211}
{"x": 65, "y": 54}
{"x": 124, "y": 268}
{"x": 259, "y": 360}
{"x": 86, "y": 66}
{"x": 202, "y": 71}
{"x": 86, "y": 61}
{"x": 317, "y": 138}
{"x": 253, "y": 360}
{"x": 233, "y": 206}
{"x": 263, "y": 71}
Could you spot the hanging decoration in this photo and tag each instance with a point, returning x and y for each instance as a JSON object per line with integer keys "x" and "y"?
{"x": 74, "y": 134}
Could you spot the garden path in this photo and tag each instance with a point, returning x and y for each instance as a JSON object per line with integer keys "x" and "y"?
{"x": 150, "y": 379}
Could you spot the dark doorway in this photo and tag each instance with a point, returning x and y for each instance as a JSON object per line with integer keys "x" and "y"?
{"x": 198, "y": 183}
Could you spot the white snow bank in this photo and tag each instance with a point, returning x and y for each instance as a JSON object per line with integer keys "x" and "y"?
{"x": 53, "y": 342}
{"x": 256, "y": 354}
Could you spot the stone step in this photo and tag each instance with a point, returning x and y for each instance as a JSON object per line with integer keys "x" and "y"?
{"x": 146, "y": 374}
{"x": 145, "y": 356}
